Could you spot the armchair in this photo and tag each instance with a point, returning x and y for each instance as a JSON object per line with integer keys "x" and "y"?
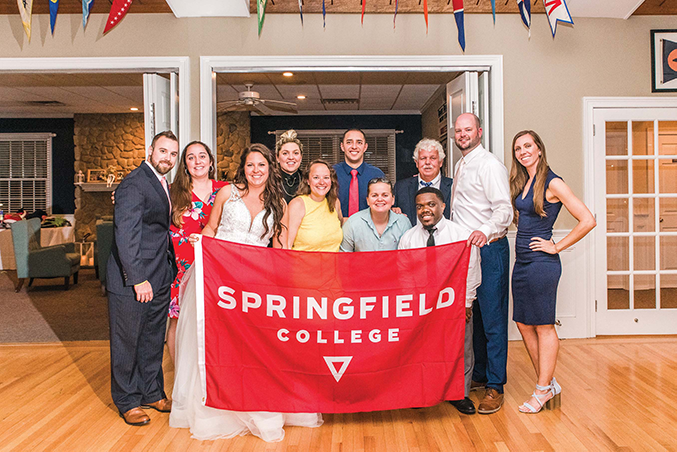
{"x": 34, "y": 261}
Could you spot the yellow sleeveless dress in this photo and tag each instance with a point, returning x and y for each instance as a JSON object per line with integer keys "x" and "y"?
{"x": 320, "y": 229}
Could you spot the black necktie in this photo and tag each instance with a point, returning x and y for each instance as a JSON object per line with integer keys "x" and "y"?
{"x": 431, "y": 237}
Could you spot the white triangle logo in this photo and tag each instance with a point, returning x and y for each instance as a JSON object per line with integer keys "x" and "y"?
{"x": 332, "y": 360}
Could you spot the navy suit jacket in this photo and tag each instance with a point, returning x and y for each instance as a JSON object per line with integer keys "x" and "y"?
{"x": 142, "y": 248}
{"x": 405, "y": 196}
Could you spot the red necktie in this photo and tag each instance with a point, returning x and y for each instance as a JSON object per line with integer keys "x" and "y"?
{"x": 354, "y": 195}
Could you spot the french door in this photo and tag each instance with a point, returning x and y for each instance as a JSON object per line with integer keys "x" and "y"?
{"x": 635, "y": 179}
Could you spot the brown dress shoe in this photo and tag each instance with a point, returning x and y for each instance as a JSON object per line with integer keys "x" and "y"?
{"x": 162, "y": 405}
{"x": 491, "y": 402}
{"x": 135, "y": 416}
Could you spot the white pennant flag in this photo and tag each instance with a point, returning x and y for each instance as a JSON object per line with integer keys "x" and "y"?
{"x": 26, "y": 11}
{"x": 557, "y": 11}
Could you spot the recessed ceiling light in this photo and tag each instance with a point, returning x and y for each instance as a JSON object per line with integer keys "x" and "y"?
{"x": 301, "y": 96}
{"x": 134, "y": 109}
{"x": 288, "y": 74}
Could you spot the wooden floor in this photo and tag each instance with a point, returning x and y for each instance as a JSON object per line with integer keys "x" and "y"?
{"x": 619, "y": 394}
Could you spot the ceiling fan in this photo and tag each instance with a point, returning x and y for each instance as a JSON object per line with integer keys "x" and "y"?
{"x": 250, "y": 100}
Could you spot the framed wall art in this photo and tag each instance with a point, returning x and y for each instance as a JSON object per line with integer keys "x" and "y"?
{"x": 663, "y": 61}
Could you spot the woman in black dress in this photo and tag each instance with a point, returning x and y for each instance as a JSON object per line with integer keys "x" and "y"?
{"x": 289, "y": 152}
{"x": 537, "y": 195}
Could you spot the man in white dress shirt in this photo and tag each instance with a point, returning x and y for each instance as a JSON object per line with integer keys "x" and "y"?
{"x": 433, "y": 229}
{"x": 480, "y": 202}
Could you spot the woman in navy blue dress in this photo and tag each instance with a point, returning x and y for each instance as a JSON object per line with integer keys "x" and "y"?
{"x": 538, "y": 194}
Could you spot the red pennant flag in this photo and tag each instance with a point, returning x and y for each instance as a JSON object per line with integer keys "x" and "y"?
{"x": 364, "y": 3}
{"x": 425, "y": 14}
{"x": 117, "y": 12}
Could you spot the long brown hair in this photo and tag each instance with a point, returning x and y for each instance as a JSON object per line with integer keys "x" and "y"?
{"x": 273, "y": 202}
{"x": 304, "y": 186}
{"x": 519, "y": 175}
{"x": 181, "y": 191}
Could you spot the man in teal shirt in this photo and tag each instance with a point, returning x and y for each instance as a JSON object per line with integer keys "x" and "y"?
{"x": 376, "y": 228}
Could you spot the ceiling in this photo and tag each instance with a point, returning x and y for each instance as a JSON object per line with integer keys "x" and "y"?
{"x": 578, "y": 8}
{"x": 65, "y": 94}
{"x": 340, "y": 91}
{"x": 49, "y": 95}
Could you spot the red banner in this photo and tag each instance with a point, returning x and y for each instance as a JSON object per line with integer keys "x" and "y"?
{"x": 293, "y": 331}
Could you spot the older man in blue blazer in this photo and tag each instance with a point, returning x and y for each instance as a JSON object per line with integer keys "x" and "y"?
{"x": 141, "y": 269}
{"x": 429, "y": 157}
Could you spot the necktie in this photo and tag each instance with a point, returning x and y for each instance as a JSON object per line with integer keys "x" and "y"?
{"x": 354, "y": 194}
{"x": 457, "y": 174}
{"x": 431, "y": 237}
{"x": 165, "y": 185}
{"x": 425, "y": 184}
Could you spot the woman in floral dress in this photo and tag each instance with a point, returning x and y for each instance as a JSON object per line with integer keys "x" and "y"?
{"x": 193, "y": 193}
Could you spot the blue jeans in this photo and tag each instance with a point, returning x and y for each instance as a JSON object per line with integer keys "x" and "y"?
{"x": 490, "y": 316}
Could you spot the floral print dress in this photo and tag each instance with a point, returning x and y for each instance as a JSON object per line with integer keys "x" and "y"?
{"x": 194, "y": 220}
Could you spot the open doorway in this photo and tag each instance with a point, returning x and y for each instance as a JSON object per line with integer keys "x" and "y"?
{"x": 90, "y": 112}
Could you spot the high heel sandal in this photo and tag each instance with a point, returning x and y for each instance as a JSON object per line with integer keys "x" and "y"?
{"x": 555, "y": 400}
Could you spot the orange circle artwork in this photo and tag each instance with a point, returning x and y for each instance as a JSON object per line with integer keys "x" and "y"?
{"x": 672, "y": 60}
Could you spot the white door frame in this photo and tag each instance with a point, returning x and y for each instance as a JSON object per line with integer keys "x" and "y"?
{"x": 590, "y": 104}
{"x": 179, "y": 65}
{"x": 414, "y": 63}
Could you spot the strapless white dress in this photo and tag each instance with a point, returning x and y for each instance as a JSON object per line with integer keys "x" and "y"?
{"x": 207, "y": 423}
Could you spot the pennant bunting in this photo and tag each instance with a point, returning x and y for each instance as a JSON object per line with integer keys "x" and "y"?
{"x": 301, "y": 10}
{"x": 26, "y": 11}
{"x": 364, "y": 3}
{"x": 53, "y": 10}
{"x": 557, "y": 11}
{"x": 324, "y": 16}
{"x": 493, "y": 10}
{"x": 86, "y": 6}
{"x": 525, "y": 12}
{"x": 425, "y": 14}
{"x": 261, "y": 12}
{"x": 118, "y": 11}
{"x": 397, "y": 2}
{"x": 458, "y": 15}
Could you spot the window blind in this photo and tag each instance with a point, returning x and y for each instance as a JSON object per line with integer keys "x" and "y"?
{"x": 26, "y": 171}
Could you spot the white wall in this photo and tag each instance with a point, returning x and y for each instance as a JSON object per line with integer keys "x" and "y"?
{"x": 545, "y": 79}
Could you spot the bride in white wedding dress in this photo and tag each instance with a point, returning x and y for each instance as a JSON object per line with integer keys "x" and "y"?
{"x": 249, "y": 211}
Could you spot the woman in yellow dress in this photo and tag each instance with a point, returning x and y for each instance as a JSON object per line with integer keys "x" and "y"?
{"x": 315, "y": 214}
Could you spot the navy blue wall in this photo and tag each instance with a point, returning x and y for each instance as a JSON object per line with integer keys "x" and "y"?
{"x": 63, "y": 155}
{"x": 406, "y": 142}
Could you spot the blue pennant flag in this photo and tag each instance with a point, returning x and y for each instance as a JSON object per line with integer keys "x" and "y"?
{"x": 458, "y": 15}
{"x": 493, "y": 10}
{"x": 53, "y": 9}
{"x": 525, "y": 12}
{"x": 86, "y": 5}
{"x": 301, "y": 10}
{"x": 324, "y": 16}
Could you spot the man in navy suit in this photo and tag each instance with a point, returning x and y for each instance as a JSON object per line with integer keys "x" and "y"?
{"x": 141, "y": 269}
{"x": 429, "y": 157}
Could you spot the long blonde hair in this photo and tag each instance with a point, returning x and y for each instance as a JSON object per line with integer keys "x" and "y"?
{"x": 519, "y": 175}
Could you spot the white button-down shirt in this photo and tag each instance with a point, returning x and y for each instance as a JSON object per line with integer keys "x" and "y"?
{"x": 435, "y": 182}
{"x": 448, "y": 232}
{"x": 482, "y": 197}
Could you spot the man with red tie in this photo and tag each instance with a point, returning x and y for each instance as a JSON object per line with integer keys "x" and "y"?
{"x": 354, "y": 173}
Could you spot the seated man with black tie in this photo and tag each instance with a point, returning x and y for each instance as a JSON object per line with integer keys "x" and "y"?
{"x": 433, "y": 229}
{"x": 429, "y": 157}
